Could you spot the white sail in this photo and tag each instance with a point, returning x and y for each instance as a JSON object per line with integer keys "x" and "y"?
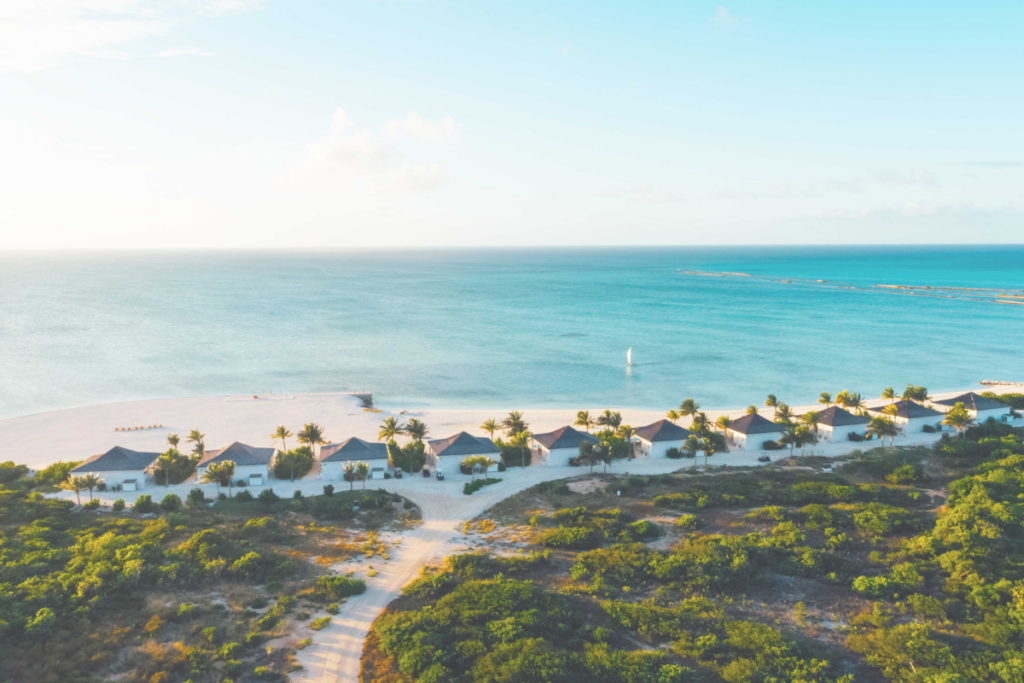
{"x": 629, "y": 356}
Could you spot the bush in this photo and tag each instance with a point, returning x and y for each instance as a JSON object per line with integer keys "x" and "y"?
{"x": 333, "y": 608}
{"x": 674, "y": 453}
{"x": 855, "y": 437}
{"x": 328, "y": 489}
{"x": 501, "y": 466}
{"x": 241, "y": 483}
{"x": 411, "y": 457}
{"x": 472, "y": 487}
{"x": 772, "y": 446}
{"x": 323, "y": 507}
{"x": 196, "y": 499}
{"x": 144, "y": 504}
{"x": 171, "y": 503}
{"x": 268, "y": 497}
{"x": 569, "y": 537}
{"x": 92, "y": 504}
{"x": 118, "y": 505}
{"x": 336, "y": 587}
{"x": 101, "y": 487}
{"x": 688, "y": 522}
{"x": 244, "y": 496}
{"x": 297, "y": 495}
{"x": 318, "y": 624}
{"x": 928, "y": 429}
{"x": 294, "y": 464}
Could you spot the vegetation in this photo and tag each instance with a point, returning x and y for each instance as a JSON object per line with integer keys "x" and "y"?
{"x": 294, "y": 464}
{"x": 471, "y": 487}
{"x": 411, "y": 457}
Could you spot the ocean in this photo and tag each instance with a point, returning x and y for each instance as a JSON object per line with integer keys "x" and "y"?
{"x": 507, "y": 328}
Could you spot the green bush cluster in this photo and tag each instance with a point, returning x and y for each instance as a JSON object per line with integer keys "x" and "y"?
{"x": 580, "y": 528}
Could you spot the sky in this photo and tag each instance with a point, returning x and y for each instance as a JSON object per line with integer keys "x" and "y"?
{"x": 308, "y": 124}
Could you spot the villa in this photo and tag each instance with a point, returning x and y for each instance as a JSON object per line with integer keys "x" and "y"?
{"x": 334, "y": 456}
{"x": 912, "y": 417}
{"x": 657, "y": 438}
{"x": 979, "y": 407}
{"x": 120, "y": 467}
{"x": 448, "y": 453}
{"x": 751, "y": 431}
{"x": 836, "y": 424}
{"x": 560, "y": 445}
{"x": 252, "y": 464}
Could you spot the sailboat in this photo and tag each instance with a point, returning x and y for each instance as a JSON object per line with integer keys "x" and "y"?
{"x": 629, "y": 356}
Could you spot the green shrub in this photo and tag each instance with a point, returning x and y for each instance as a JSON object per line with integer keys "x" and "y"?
{"x": 333, "y": 608}
{"x": 318, "y": 624}
{"x": 196, "y": 498}
{"x": 118, "y": 505}
{"x": 294, "y": 464}
{"x": 688, "y": 521}
{"x": 92, "y": 504}
{"x": 336, "y": 587}
{"x": 328, "y": 489}
{"x": 472, "y": 487}
{"x": 144, "y": 504}
{"x": 244, "y": 496}
{"x": 569, "y": 538}
{"x": 268, "y": 497}
{"x": 170, "y": 503}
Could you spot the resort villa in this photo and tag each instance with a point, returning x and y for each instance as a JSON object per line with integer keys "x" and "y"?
{"x": 836, "y": 424}
{"x": 751, "y": 431}
{"x": 252, "y": 464}
{"x": 657, "y": 438}
{"x": 333, "y": 456}
{"x": 560, "y": 445}
{"x": 912, "y": 417}
{"x": 979, "y": 407}
{"x": 119, "y": 467}
{"x": 448, "y": 453}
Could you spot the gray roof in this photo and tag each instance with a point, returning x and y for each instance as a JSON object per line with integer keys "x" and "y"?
{"x": 462, "y": 443}
{"x": 755, "y": 424}
{"x": 353, "y": 449}
{"x": 566, "y": 437}
{"x": 834, "y": 416}
{"x": 908, "y": 409}
{"x": 117, "y": 459}
{"x": 240, "y": 454}
{"x": 662, "y": 430}
{"x": 973, "y": 401}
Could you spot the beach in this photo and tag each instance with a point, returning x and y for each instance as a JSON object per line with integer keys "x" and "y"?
{"x": 77, "y": 433}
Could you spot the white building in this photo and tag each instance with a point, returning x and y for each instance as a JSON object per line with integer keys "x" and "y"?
{"x": 912, "y": 417}
{"x": 252, "y": 464}
{"x": 449, "y": 453}
{"x": 836, "y": 424}
{"x": 979, "y": 407}
{"x": 334, "y": 456}
{"x": 656, "y": 439}
{"x": 558, "y": 446}
{"x": 751, "y": 431}
{"x": 120, "y": 466}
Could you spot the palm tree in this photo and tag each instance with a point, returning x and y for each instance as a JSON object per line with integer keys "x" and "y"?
{"x": 855, "y": 401}
{"x": 90, "y": 481}
{"x": 164, "y": 464}
{"x": 522, "y": 442}
{"x": 825, "y": 399}
{"x": 514, "y": 423}
{"x": 490, "y": 426}
{"x": 416, "y": 430}
{"x": 804, "y": 436}
{"x": 173, "y": 440}
{"x": 226, "y": 474}
{"x": 723, "y": 422}
{"x": 883, "y": 427}
{"x": 74, "y": 484}
{"x": 783, "y": 414}
{"x": 957, "y": 417}
{"x": 699, "y": 423}
{"x": 211, "y": 475}
{"x": 349, "y": 468}
{"x": 195, "y": 437}
{"x": 626, "y": 433}
{"x": 389, "y": 429}
{"x": 281, "y": 434}
{"x": 609, "y": 419}
{"x": 311, "y": 435}
{"x": 584, "y": 420}
{"x": 889, "y": 393}
{"x": 589, "y": 454}
{"x": 688, "y": 407}
{"x": 912, "y": 393}
{"x": 673, "y": 416}
{"x": 751, "y": 409}
{"x": 362, "y": 473}
{"x": 772, "y": 402}
{"x": 811, "y": 418}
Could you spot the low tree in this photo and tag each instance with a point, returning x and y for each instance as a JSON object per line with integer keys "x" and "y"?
{"x": 293, "y": 464}
{"x": 699, "y": 423}
{"x": 584, "y": 420}
{"x": 349, "y": 468}
{"x": 587, "y": 455}
{"x": 883, "y": 427}
{"x": 611, "y": 447}
{"x": 958, "y": 417}
{"x": 812, "y": 419}
{"x": 219, "y": 473}
{"x": 74, "y": 484}
{"x": 362, "y": 473}
{"x": 90, "y": 481}
{"x": 783, "y": 414}
{"x": 610, "y": 419}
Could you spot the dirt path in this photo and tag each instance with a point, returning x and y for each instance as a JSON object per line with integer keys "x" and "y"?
{"x": 334, "y": 656}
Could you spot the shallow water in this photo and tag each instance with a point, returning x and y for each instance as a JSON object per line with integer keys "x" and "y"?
{"x": 504, "y": 328}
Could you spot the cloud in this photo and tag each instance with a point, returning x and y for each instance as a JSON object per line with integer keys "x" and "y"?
{"x": 367, "y": 159}
{"x": 644, "y": 194}
{"x": 907, "y": 178}
{"x": 185, "y": 52}
{"x": 36, "y": 35}
{"x": 722, "y": 17}
{"x": 421, "y": 130}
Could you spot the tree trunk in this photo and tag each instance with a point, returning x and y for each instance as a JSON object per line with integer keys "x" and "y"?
{"x": 78, "y": 495}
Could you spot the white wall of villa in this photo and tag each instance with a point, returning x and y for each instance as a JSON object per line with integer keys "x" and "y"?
{"x": 917, "y": 424}
{"x": 753, "y": 442}
{"x": 243, "y": 472}
{"x": 827, "y": 433}
{"x": 119, "y": 477}
{"x": 558, "y": 456}
{"x": 657, "y": 449}
{"x": 998, "y": 414}
{"x": 332, "y": 471}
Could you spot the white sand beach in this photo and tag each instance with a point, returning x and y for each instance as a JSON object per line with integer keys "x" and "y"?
{"x": 77, "y": 433}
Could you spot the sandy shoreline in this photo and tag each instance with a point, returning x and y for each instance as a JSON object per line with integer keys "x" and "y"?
{"x": 77, "y": 433}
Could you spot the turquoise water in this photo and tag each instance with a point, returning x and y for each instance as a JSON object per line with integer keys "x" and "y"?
{"x": 503, "y": 328}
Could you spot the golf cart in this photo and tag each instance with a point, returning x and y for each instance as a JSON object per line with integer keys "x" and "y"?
{"x": 398, "y": 473}
{"x": 440, "y": 474}
{"x": 763, "y": 458}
